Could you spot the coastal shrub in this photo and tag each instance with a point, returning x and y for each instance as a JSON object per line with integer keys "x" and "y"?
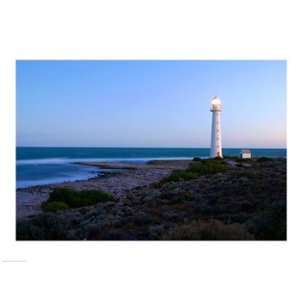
{"x": 179, "y": 175}
{"x": 209, "y": 166}
{"x": 62, "y": 195}
{"x": 196, "y": 159}
{"x": 54, "y": 206}
{"x": 208, "y": 230}
{"x": 90, "y": 197}
{"x": 196, "y": 169}
{"x": 43, "y": 227}
{"x": 74, "y": 199}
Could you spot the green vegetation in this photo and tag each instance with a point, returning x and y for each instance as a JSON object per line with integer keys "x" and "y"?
{"x": 63, "y": 198}
{"x": 196, "y": 159}
{"x": 244, "y": 203}
{"x": 54, "y": 206}
{"x": 197, "y": 168}
{"x": 178, "y": 175}
{"x": 43, "y": 227}
{"x": 208, "y": 230}
{"x": 208, "y": 166}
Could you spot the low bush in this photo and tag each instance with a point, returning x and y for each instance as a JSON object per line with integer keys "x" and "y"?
{"x": 208, "y": 230}
{"x": 62, "y": 195}
{"x": 43, "y": 227}
{"x": 179, "y": 175}
{"x": 197, "y": 168}
{"x": 209, "y": 166}
{"x": 197, "y": 159}
{"x": 54, "y": 206}
{"x": 63, "y": 198}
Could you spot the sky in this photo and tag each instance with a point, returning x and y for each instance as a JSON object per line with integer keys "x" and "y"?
{"x": 150, "y": 103}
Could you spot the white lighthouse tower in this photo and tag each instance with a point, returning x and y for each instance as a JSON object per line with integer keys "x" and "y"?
{"x": 216, "y": 138}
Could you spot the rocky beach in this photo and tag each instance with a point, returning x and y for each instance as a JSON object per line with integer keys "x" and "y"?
{"x": 123, "y": 178}
{"x": 228, "y": 199}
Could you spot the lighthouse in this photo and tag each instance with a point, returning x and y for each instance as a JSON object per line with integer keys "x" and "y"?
{"x": 216, "y": 138}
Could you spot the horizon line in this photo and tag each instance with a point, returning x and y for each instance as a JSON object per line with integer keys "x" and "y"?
{"x": 152, "y": 147}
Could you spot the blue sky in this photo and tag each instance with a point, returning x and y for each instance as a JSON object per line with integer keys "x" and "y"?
{"x": 149, "y": 103}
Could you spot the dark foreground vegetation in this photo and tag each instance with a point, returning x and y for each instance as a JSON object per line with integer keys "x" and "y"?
{"x": 212, "y": 199}
{"x": 64, "y": 198}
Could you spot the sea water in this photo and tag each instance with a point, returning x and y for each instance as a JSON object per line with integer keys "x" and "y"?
{"x": 45, "y": 165}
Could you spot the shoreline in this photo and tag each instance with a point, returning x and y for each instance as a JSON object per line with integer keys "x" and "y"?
{"x": 101, "y": 168}
{"x": 230, "y": 199}
{"x": 29, "y": 199}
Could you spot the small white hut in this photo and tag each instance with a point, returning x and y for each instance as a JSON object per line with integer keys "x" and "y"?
{"x": 245, "y": 154}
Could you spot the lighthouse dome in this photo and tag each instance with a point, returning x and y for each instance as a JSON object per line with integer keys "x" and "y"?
{"x": 216, "y": 104}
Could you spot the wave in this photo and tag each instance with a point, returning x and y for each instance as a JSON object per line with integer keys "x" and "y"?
{"x": 41, "y": 161}
{"x": 54, "y": 180}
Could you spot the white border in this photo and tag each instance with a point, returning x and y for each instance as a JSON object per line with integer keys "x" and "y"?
{"x": 138, "y": 30}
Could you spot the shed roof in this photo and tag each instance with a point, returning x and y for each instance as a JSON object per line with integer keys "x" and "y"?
{"x": 246, "y": 151}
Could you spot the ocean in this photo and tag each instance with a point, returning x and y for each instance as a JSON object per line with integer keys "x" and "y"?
{"x": 45, "y": 165}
